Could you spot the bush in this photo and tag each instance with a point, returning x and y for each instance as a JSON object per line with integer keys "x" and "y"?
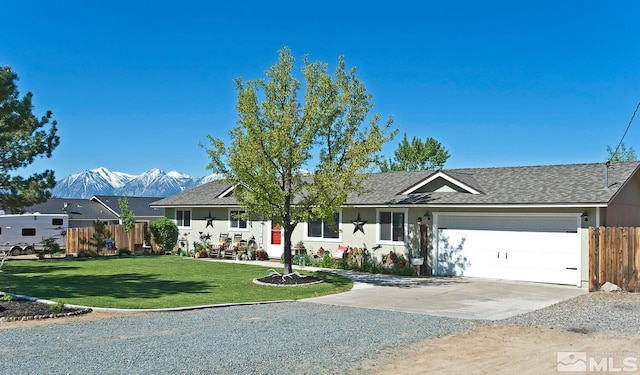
{"x": 124, "y": 252}
{"x": 351, "y": 264}
{"x": 165, "y": 233}
{"x": 58, "y": 306}
{"x": 87, "y": 254}
{"x": 325, "y": 262}
{"x": 49, "y": 246}
{"x": 7, "y": 298}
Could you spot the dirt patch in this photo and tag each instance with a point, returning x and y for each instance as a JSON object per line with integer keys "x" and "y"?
{"x": 505, "y": 350}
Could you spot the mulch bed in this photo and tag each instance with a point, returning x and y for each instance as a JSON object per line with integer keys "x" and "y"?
{"x": 21, "y": 309}
{"x": 293, "y": 279}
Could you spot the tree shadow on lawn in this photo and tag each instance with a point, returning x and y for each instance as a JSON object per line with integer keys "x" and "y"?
{"x": 37, "y": 281}
{"x": 130, "y": 285}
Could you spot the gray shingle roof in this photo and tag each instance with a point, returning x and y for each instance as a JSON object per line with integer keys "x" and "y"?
{"x": 138, "y": 205}
{"x": 80, "y": 209}
{"x": 202, "y": 195}
{"x": 582, "y": 184}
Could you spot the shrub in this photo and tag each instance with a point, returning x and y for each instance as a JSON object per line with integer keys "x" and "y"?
{"x": 7, "y": 298}
{"x": 165, "y": 233}
{"x": 325, "y": 262}
{"x": 87, "y": 254}
{"x": 49, "y": 246}
{"x": 124, "y": 252}
{"x": 58, "y": 306}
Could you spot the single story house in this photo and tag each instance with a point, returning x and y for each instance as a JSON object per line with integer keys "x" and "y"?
{"x": 142, "y": 212}
{"x": 84, "y": 212}
{"x": 526, "y": 223}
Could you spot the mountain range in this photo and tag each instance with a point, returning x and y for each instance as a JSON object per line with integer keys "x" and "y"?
{"x": 101, "y": 181}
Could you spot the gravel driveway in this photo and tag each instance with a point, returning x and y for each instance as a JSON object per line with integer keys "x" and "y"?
{"x": 281, "y": 338}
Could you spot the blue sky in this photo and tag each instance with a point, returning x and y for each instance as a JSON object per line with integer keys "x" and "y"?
{"x": 137, "y": 85}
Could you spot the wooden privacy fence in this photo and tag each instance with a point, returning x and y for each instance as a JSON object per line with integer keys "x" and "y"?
{"x": 132, "y": 240}
{"x": 614, "y": 257}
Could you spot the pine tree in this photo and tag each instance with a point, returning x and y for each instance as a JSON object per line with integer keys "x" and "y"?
{"x": 23, "y": 137}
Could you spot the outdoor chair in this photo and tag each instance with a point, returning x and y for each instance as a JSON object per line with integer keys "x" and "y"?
{"x": 232, "y": 247}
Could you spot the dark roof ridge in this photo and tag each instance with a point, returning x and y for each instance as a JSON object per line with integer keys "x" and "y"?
{"x": 539, "y": 166}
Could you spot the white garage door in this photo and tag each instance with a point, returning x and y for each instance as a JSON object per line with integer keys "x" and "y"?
{"x": 528, "y": 248}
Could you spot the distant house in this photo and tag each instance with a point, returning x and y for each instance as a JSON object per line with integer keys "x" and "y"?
{"x": 84, "y": 212}
{"x": 519, "y": 223}
{"x": 138, "y": 205}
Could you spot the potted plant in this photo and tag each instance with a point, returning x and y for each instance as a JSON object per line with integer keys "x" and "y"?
{"x": 261, "y": 254}
{"x": 402, "y": 261}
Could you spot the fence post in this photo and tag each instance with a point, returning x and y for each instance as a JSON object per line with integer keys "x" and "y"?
{"x": 623, "y": 260}
{"x": 594, "y": 256}
{"x": 636, "y": 260}
{"x": 602, "y": 262}
{"x": 632, "y": 272}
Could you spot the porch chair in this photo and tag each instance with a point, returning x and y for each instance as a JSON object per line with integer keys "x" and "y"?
{"x": 232, "y": 246}
{"x": 217, "y": 250}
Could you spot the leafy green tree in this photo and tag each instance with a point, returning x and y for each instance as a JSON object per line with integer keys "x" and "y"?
{"x": 623, "y": 153}
{"x": 165, "y": 233}
{"x": 23, "y": 137}
{"x": 126, "y": 215}
{"x": 279, "y": 138}
{"x": 416, "y": 155}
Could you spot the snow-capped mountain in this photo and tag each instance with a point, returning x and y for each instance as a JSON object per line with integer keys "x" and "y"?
{"x": 101, "y": 181}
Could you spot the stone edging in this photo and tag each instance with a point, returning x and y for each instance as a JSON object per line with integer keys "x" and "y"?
{"x": 256, "y": 281}
{"x": 45, "y": 316}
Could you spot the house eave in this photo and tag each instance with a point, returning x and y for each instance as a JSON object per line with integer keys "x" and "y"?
{"x": 486, "y": 206}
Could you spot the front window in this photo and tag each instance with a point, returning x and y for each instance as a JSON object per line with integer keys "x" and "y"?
{"x": 236, "y": 221}
{"x": 322, "y": 229}
{"x": 391, "y": 224}
{"x": 183, "y": 218}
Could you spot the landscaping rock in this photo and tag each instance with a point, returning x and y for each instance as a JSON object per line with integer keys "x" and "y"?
{"x": 609, "y": 287}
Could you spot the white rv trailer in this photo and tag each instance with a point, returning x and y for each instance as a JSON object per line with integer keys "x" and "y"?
{"x": 24, "y": 234}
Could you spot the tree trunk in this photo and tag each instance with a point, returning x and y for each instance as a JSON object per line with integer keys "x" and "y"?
{"x": 288, "y": 267}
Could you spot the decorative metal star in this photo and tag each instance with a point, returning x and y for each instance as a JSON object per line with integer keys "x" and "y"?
{"x": 210, "y": 220}
{"x": 359, "y": 224}
{"x": 206, "y": 237}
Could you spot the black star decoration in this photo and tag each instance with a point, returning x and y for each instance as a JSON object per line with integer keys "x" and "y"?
{"x": 210, "y": 220}
{"x": 359, "y": 224}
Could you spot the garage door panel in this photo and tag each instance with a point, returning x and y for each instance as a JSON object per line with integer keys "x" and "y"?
{"x": 543, "y": 256}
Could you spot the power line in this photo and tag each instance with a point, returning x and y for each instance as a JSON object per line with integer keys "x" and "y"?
{"x": 625, "y": 132}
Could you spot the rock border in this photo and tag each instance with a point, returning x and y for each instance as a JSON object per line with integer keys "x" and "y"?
{"x": 258, "y": 282}
{"x": 45, "y": 316}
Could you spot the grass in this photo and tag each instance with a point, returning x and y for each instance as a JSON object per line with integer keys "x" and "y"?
{"x": 152, "y": 282}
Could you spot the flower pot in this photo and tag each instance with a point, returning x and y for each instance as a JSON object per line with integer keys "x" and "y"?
{"x": 417, "y": 261}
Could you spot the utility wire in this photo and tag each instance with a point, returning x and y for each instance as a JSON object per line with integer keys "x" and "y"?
{"x": 625, "y": 132}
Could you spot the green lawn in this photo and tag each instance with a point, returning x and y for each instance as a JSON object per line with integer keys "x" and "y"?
{"x": 152, "y": 282}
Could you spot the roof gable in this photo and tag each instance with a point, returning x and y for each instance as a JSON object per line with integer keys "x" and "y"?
{"x": 441, "y": 182}
{"x": 140, "y": 206}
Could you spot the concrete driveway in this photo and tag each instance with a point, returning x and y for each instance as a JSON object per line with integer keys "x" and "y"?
{"x": 455, "y": 297}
